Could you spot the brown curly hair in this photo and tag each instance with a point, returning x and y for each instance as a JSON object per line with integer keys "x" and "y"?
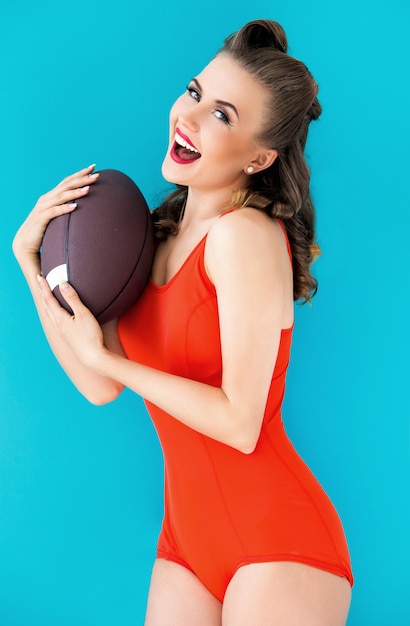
{"x": 282, "y": 190}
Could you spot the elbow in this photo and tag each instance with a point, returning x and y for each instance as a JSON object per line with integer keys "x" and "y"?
{"x": 247, "y": 441}
{"x": 245, "y": 430}
{"x": 104, "y": 396}
{"x": 99, "y": 400}
{"x": 247, "y": 447}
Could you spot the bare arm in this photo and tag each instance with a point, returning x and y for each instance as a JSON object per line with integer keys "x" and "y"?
{"x": 26, "y": 245}
{"x": 252, "y": 283}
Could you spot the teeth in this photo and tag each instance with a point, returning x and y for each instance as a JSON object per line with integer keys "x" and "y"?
{"x": 184, "y": 143}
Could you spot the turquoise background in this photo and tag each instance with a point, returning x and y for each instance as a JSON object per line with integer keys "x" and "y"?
{"x": 80, "y": 486}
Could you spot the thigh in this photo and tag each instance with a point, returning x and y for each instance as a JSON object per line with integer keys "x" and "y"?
{"x": 178, "y": 598}
{"x": 285, "y": 594}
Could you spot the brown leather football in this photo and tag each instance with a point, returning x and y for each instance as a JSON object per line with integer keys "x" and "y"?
{"x": 104, "y": 248}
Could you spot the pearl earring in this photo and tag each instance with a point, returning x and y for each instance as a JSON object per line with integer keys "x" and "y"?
{"x": 250, "y": 169}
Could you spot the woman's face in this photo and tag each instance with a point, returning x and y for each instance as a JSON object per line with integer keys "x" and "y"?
{"x": 213, "y": 128}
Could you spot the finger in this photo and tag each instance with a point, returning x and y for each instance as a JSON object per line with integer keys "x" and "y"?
{"x": 72, "y": 298}
{"x": 78, "y": 181}
{"x": 61, "y": 196}
{"x": 85, "y": 171}
{"x": 72, "y": 190}
{"x": 57, "y": 198}
{"x": 43, "y": 285}
{"x": 41, "y": 218}
{"x": 53, "y": 308}
{"x": 67, "y": 191}
{"x": 55, "y": 211}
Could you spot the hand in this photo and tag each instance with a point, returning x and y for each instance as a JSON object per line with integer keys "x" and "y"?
{"x": 81, "y": 331}
{"x": 58, "y": 201}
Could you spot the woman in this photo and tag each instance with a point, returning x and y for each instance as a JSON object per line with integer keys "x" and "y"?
{"x": 249, "y": 536}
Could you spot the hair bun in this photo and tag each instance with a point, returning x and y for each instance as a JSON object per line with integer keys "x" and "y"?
{"x": 264, "y": 34}
{"x": 315, "y": 110}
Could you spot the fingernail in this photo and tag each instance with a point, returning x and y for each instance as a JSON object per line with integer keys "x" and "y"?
{"x": 73, "y": 205}
{"x": 63, "y": 284}
{"x": 95, "y": 175}
{"x": 86, "y": 188}
{"x": 38, "y": 277}
{"x": 93, "y": 165}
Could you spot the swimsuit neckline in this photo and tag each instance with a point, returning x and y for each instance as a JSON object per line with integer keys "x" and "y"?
{"x": 169, "y": 282}
{"x": 162, "y": 288}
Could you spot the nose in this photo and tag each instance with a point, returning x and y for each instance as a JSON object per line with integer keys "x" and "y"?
{"x": 188, "y": 112}
{"x": 189, "y": 119}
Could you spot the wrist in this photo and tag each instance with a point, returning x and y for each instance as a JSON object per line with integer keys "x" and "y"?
{"x": 102, "y": 362}
{"x": 27, "y": 259}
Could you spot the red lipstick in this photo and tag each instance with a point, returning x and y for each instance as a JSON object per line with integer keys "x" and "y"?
{"x": 183, "y": 150}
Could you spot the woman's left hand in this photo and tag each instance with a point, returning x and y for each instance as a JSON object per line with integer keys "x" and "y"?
{"x": 81, "y": 331}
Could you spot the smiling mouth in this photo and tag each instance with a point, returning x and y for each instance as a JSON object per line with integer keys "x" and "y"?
{"x": 183, "y": 151}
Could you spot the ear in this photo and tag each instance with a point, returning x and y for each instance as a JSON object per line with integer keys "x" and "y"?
{"x": 264, "y": 160}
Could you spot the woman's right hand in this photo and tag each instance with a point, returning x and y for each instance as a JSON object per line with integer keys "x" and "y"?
{"x": 58, "y": 201}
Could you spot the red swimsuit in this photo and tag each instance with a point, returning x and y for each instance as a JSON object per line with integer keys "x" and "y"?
{"x": 223, "y": 508}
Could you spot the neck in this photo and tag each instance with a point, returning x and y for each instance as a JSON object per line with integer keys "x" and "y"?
{"x": 204, "y": 205}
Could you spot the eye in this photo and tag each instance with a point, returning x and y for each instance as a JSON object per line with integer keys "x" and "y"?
{"x": 221, "y": 115}
{"x": 193, "y": 93}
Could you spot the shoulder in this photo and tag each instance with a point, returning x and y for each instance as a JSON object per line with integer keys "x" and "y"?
{"x": 240, "y": 221}
{"x": 242, "y": 233}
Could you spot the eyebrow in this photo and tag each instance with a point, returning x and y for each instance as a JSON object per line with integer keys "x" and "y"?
{"x": 222, "y": 102}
